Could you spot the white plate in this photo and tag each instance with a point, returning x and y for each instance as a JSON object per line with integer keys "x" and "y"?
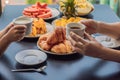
{"x": 30, "y": 57}
{"x": 49, "y": 27}
{"x": 55, "y": 13}
{"x": 53, "y": 53}
{"x": 108, "y": 41}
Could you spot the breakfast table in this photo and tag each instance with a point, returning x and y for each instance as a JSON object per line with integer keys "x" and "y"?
{"x": 75, "y": 67}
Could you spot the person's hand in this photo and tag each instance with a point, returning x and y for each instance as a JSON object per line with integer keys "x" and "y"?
{"x": 6, "y": 29}
{"x": 88, "y": 46}
{"x": 91, "y": 25}
{"x": 16, "y": 33}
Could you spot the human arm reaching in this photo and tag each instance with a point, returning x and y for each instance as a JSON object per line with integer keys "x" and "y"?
{"x": 91, "y": 47}
{"x": 14, "y": 33}
{"x": 109, "y": 29}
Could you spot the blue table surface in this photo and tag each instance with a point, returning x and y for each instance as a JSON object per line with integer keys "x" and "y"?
{"x": 77, "y": 68}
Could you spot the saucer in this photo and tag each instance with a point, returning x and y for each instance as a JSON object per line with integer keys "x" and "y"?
{"x": 108, "y": 41}
{"x": 30, "y": 57}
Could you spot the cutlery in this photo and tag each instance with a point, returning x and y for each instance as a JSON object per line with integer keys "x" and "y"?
{"x": 30, "y": 69}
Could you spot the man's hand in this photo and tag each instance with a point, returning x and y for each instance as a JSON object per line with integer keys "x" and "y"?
{"x": 88, "y": 46}
{"x": 91, "y": 25}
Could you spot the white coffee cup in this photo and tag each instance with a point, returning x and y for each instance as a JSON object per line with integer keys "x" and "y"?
{"x": 77, "y": 28}
{"x": 23, "y": 20}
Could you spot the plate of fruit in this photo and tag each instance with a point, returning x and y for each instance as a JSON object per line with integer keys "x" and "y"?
{"x": 75, "y": 7}
{"x": 40, "y": 10}
{"x": 64, "y": 20}
{"x": 39, "y": 27}
{"x": 55, "y": 43}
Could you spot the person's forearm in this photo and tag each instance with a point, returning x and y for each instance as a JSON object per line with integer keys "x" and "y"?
{"x": 110, "y": 29}
{"x": 4, "y": 43}
{"x": 108, "y": 54}
{"x": 2, "y": 32}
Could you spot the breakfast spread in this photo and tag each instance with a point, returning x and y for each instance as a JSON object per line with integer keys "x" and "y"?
{"x": 56, "y": 40}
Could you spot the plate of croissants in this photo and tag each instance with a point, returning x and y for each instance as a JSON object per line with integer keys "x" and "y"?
{"x": 55, "y": 43}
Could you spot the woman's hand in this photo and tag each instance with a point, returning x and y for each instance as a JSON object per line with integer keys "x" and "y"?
{"x": 91, "y": 25}
{"x": 88, "y": 46}
{"x": 6, "y": 29}
{"x": 16, "y": 33}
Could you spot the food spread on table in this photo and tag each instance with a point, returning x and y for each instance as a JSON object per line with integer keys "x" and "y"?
{"x": 56, "y": 41}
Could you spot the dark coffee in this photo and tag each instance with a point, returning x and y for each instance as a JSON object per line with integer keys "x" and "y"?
{"x": 75, "y": 27}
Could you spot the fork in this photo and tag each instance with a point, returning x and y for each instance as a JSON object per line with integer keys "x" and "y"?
{"x": 30, "y": 69}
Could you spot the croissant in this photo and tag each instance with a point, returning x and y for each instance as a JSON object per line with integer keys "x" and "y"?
{"x": 43, "y": 37}
{"x": 68, "y": 45}
{"x": 56, "y": 41}
{"x": 57, "y": 36}
{"x": 59, "y": 48}
{"x": 45, "y": 46}
{"x": 42, "y": 42}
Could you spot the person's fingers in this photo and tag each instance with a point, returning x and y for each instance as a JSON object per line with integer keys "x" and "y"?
{"x": 21, "y": 31}
{"x": 20, "y": 38}
{"x": 20, "y": 27}
{"x": 16, "y": 35}
{"x": 83, "y": 21}
{"x": 89, "y": 37}
{"x": 78, "y": 50}
{"x": 79, "y": 45}
{"x": 86, "y": 22}
{"x": 11, "y": 24}
{"x": 77, "y": 38}
{"x": 71, "y": 40}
